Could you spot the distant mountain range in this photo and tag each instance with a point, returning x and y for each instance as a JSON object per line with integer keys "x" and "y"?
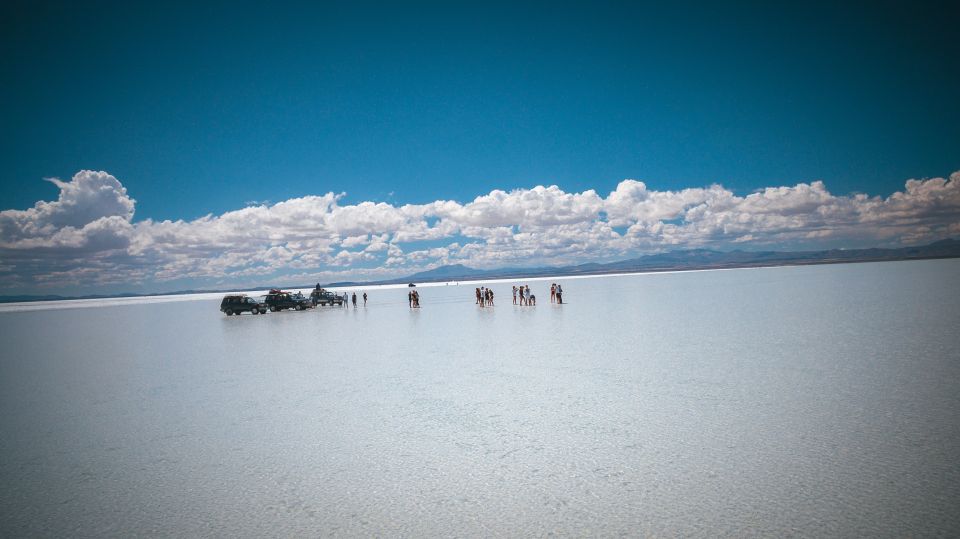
{"x": 698, "y": 259}
{"x": 671, "y": 261}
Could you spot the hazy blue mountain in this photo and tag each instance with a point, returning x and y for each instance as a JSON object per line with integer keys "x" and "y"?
{"x": 698, "y": 259}
{"x": 445, "y": 273}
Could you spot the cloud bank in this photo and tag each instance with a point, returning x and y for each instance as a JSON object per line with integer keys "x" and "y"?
{"x": 87, "y": 238}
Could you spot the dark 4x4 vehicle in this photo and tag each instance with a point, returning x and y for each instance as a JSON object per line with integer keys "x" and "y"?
{"x": 278, "y": 300}
{"x": 325, "y": 297}
{"x": 232, "y": 305}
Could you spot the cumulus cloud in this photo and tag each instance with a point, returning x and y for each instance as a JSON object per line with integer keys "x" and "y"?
{"x": 87, "y": 237}
{"x": 93, "y": 209}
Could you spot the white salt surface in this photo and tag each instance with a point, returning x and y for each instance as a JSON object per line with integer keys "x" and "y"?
{"x": 812, "y": 401}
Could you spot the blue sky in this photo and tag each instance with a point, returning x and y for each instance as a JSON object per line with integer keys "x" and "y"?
{"x": 207, "y": 110}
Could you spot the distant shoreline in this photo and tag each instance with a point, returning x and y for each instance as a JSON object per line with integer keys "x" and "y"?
{"x": 134, "y": 299}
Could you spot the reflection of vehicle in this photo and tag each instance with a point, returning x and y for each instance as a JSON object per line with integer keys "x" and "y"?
{"x": 232, "y": 305}
{"x": 278, "y": 300}
{"x": 325, "y": 297}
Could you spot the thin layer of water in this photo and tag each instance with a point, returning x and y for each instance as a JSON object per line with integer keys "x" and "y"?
{"x": 787, "y": 401}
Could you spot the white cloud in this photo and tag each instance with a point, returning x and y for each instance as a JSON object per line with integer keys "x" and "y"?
{"x": 92, "y": 210}
{"x": 537, "y": 207}
{"x": 87, "y": 236}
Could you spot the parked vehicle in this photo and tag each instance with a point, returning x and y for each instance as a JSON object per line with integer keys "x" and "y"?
{"x": 278, "y": 300}
{"x": 236, "y": 304}
{"x": 325, "y": 297}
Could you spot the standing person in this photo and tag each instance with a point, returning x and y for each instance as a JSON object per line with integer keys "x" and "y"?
{"x": 346, "y": 300}
{"x": 364, "y": 299}
{"x": 354, "y": 298}
{"x": 514, "y": 294}
{"x": 553, "y": 292}
{"x": 559, "y": 294}
{"x": 532, "y": 300}
{"x": 522, "y": 300}
{"x": 528, "y": 294}
{"x": 490, "y": 296}
{"x": 416, "y": 299}
{"x": 478, "y": 295}
{"x": 410, "y": 298}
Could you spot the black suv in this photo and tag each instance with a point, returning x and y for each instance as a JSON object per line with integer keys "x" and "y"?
{"x": 325, "y": 297}
{"x": 232, "y": 305}
{"x": 278, "y": 300}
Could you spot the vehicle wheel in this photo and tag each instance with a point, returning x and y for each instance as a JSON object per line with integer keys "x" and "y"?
{"x": 263, "y": 311}
{"x": 253, "y": 311}
{"x": 229, "y": 312}
{"x": 298, "y": 308}
{"x": 273, "y": 309}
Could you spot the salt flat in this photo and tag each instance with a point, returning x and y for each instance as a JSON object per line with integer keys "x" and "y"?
{"x": 818, "y": 400}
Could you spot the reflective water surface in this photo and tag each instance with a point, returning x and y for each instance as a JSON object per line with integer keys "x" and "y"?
{"x": 815, "y": 401}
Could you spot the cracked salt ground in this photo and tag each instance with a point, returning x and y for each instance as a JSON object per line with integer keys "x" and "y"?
{"x": 807, "y": 401}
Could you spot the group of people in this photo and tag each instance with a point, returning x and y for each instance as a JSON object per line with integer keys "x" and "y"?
{"x": 484, "y": 296}
{"x": 521, "y": 295}
{"x": 347, "y": 299}
{"x": 556, "y": 293}
{"x": 525, "y": 295}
